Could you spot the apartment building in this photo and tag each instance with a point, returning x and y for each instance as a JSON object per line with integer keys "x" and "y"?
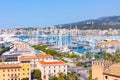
{"x": 51, "y": 68}
{"x": 14, "y": 71}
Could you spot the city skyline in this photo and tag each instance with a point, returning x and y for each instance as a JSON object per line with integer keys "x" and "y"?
{"x": 46, "y": 13}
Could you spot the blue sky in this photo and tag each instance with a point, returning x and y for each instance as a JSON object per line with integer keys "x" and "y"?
{"x": 36, "y": 13}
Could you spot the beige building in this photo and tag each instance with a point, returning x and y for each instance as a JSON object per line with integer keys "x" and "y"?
{"x": 14, "y": 71}
{"x": 105, "y": 70}
{"x": 108, "y": 43}
{"x": 51, "y": 68}
{"x": 21, "y": 46}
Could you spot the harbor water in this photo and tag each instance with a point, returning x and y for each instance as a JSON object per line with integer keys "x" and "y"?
{"x": 60, "y": 41}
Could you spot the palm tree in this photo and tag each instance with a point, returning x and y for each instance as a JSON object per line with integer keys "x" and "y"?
{"x": 61, "y": 76}
{"x": 78, "y": 58}
{"x": 87, "y": 55}
{"x": 37, "y": 73}
{"x": 107, "y": 56}
{"x": 73, "y": 76}
{"x": 116, "y": 57}
{"x": 54, "y": 78}
{"x": 90, "y": 75}
{"x": 66, "y": 77}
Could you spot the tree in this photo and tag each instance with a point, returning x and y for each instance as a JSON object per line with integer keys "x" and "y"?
{"x": 96, "y": 56}
{"x": 87, "y": 55}
{"x": 66, "y": 77}
{"x": 54, "y": 78}
{"x": 116, "y": 57}
{"x": 90, "y": 75}
{"x": 61, "y": 76}
{"x": 4, "y": 50}
{"x": 39, "y": 79}
{"x": 37, "y": 73}
{"x": 2, "y": 47}
{"x": 73, "y": 76}
{"x": 25, "y": 79}
{"x": 48, "y": 51}
{"x": 107, "y": 56}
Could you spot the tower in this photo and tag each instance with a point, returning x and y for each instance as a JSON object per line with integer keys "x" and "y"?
{"x": 98, "y": 66}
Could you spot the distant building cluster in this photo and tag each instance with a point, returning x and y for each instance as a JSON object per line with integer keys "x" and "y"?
{"x": 58, "y": 30}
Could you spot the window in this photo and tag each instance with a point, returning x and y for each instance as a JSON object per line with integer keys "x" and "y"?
{"x": 54, "y": 70}
{"x": 106, "y": 77}
{"x": 3, "y": 70}
{"x": 8, "y": 70}
{"x": 28, "y": 69}
{"x": 3, "y": 74}
{"x": 8, "y": 74}
{"x": 23, "y": 69}
{"x": 64, "y": 70}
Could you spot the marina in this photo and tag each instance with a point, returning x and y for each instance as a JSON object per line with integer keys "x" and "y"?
{"x": 64, "y": 43}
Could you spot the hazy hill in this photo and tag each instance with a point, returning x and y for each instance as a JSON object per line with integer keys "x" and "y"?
{"x": 100, "y": 23}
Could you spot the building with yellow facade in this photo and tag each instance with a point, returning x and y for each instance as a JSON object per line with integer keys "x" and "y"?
{"x": 15, "y": 71}
{"x": 105, "y": 70}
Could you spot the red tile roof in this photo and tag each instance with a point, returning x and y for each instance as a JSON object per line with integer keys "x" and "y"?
{"x": 51, "y": 62}
{"x": 42, "y": 55}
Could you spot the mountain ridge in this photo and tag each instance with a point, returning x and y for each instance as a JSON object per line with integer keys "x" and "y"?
{"x": 99, "y": 23}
